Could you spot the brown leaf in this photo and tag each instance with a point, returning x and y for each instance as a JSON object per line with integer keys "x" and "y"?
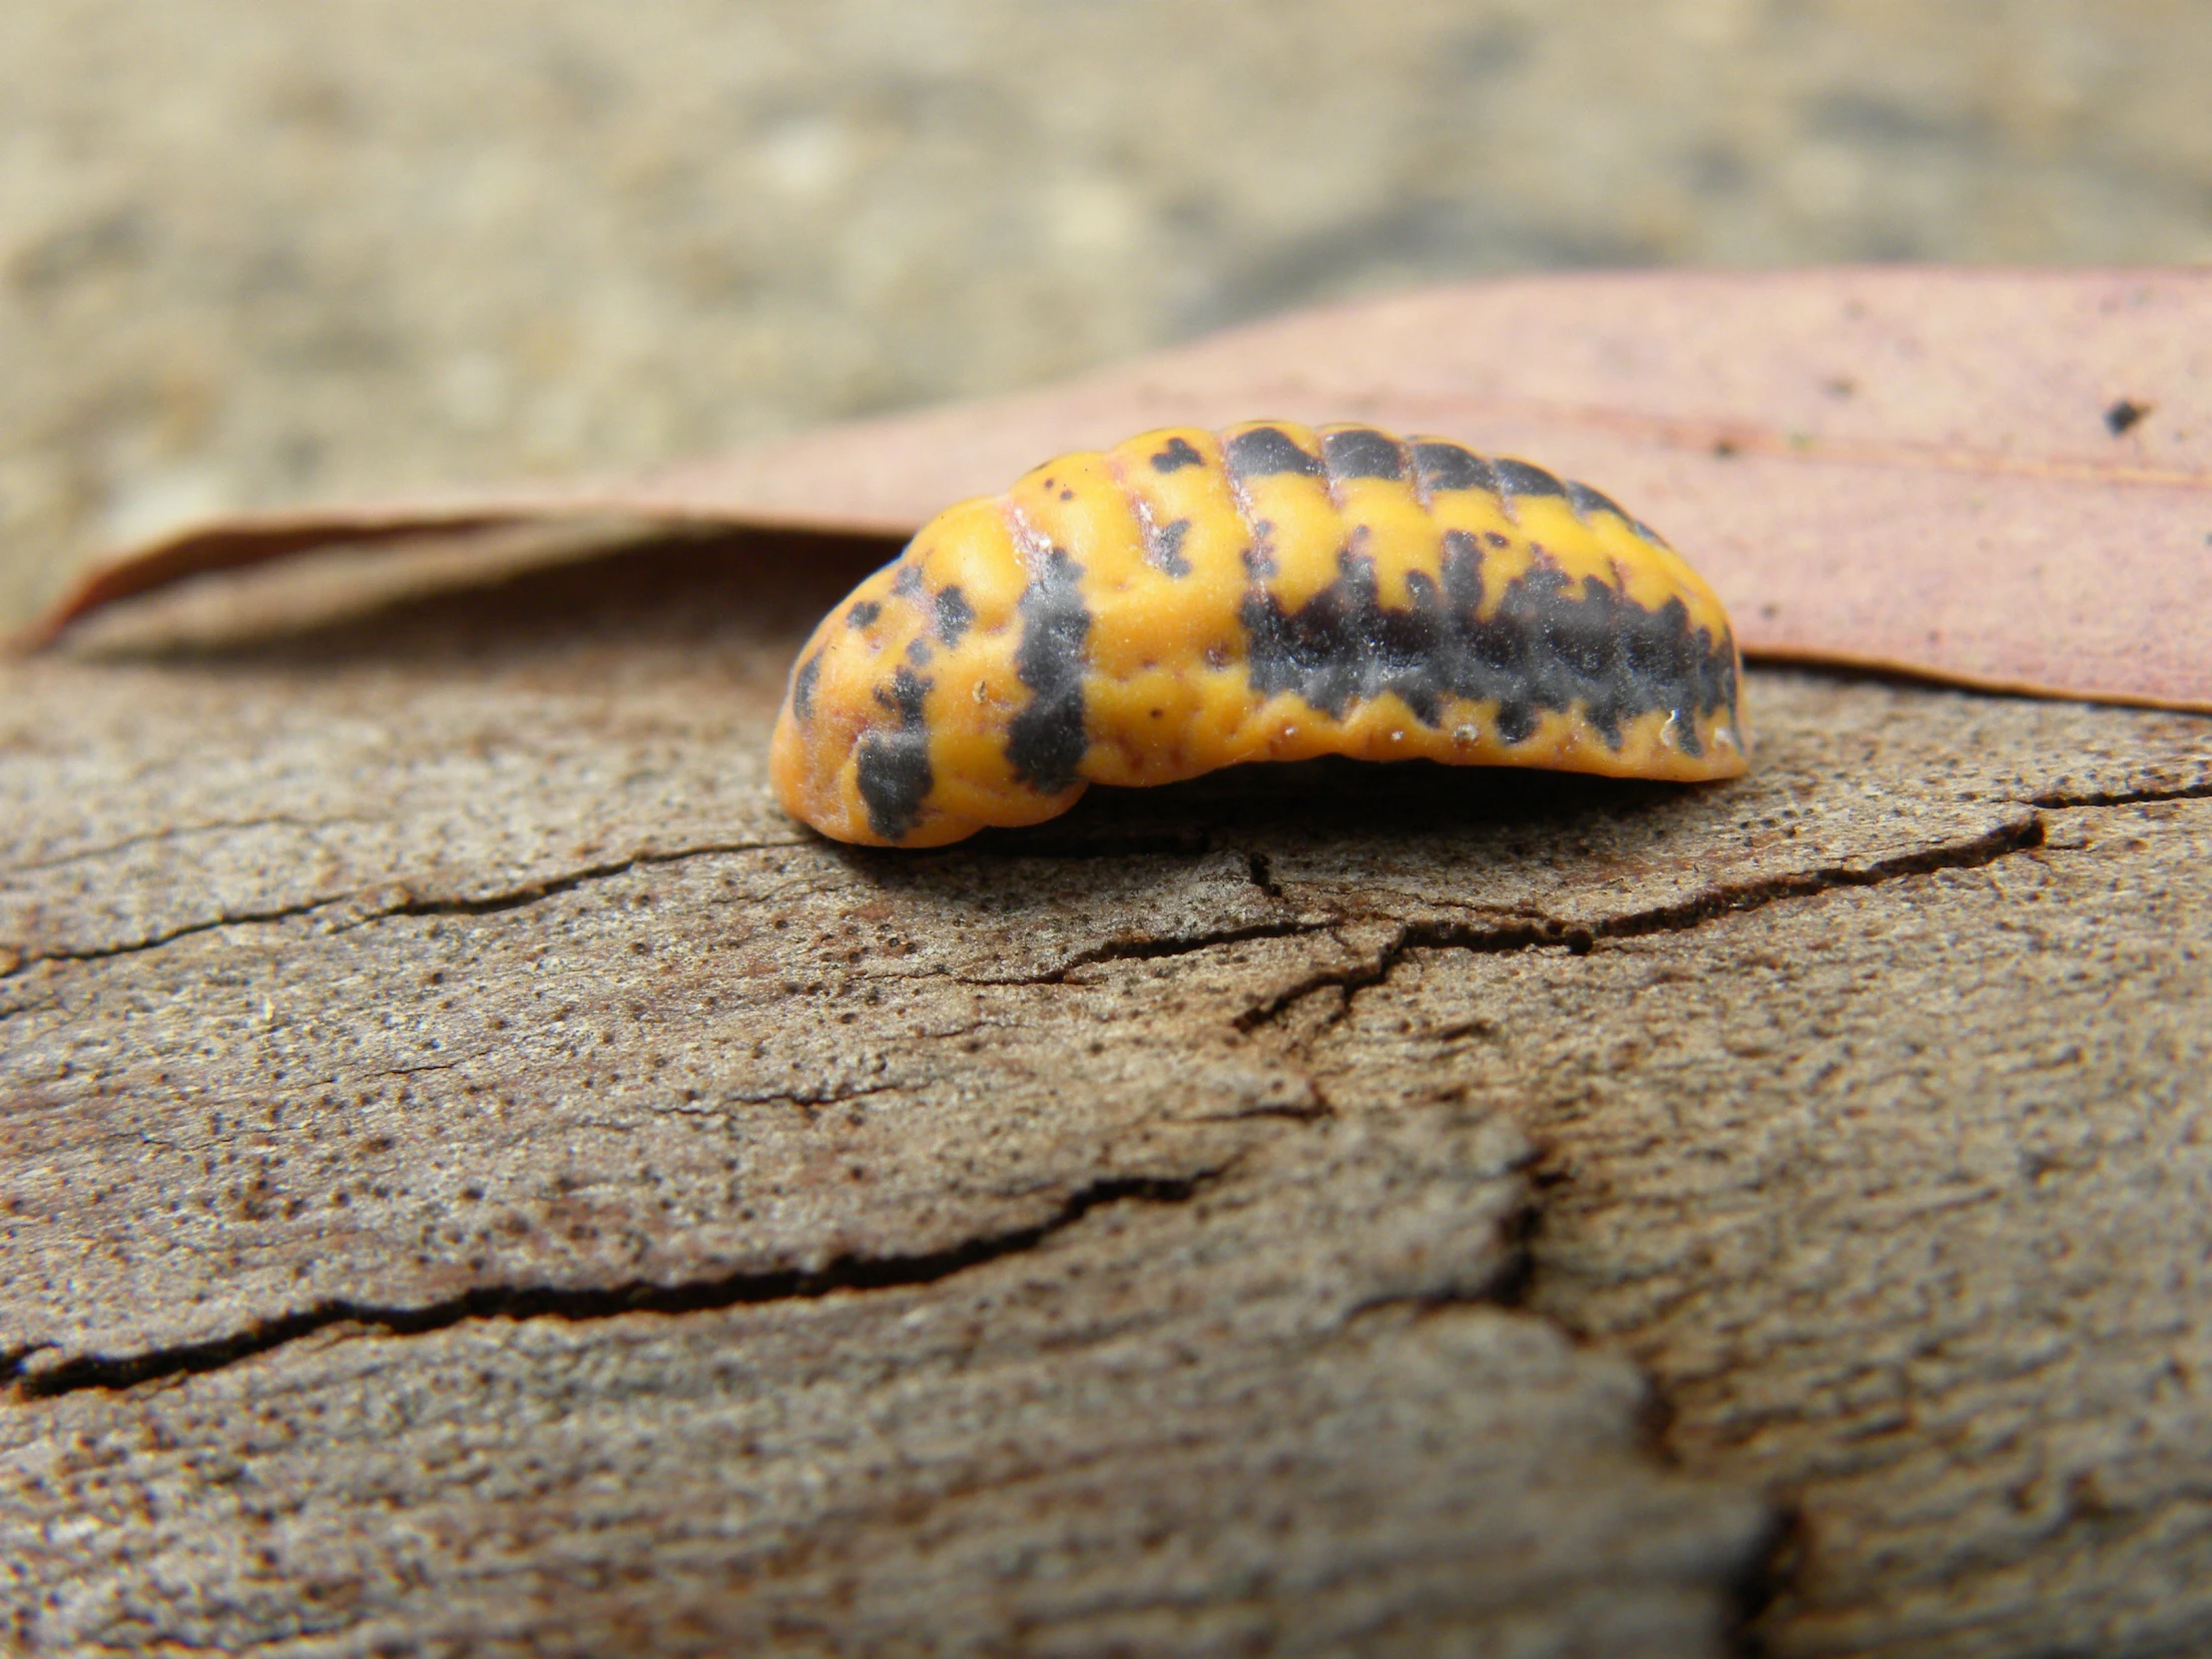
{"x": 1997, "y": 478}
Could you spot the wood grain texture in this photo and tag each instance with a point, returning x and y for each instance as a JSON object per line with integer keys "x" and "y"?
{"x": 474, "y": 1179}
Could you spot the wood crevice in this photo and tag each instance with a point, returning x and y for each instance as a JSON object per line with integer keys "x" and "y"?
{"x": 2023, "y": 836}
{"x": 1137, "y": 950}
{"x": 2061, "y": 800}
{"x": 513, "y": 898}
{"x": 578, "y": 1304}
{"x": 184, "y": 831}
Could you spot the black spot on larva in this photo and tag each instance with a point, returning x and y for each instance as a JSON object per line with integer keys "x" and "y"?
{"x": 803, "y": 687}
{"x": 1361, "y": 452}
{"x": 1258, "y": 562}
{"x": 1519, "y": 478}
{"x": 952, "y": 614}
{"x": 918, "y": 650}
{"x": 906, "y": 583}
{"x": 1163, "y": 546}
{"x": 1045, "y": 741}
{"x": 1178, "y": 453}
{"x": 1551, "y": 644}
{"x": 893, "y": 766}
{"x": 1447, "y": 466}
{"x": 1264, "y": 452}
{"x": 2122, "y": 417}
{"x": 863, "y": 615}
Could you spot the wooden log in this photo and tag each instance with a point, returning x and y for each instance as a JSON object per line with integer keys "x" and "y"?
{"x": 477, "y": 1179}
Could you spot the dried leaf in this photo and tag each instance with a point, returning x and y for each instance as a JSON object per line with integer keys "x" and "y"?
{"x": 1997, "y": 478}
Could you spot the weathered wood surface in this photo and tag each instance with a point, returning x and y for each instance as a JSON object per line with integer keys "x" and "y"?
{"x": 473, "y": 1177}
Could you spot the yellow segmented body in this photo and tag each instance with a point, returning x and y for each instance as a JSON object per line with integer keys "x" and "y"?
{"x": 1188, "y": 601}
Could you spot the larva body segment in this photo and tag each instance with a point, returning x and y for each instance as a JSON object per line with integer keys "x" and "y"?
{"x": 1187, "y": 601}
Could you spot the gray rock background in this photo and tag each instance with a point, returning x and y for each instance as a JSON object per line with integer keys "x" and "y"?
{"x": 252, "y": 252}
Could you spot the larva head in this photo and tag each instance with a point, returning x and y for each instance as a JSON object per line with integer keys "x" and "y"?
{"x": 1188, "y": 601}
{"x": 896, "y": 730}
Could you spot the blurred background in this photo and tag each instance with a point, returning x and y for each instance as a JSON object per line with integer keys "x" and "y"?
{"x": 254, "y": 251}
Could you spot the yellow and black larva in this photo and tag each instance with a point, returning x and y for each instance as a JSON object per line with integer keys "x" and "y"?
{"x": 1188, "y": 601}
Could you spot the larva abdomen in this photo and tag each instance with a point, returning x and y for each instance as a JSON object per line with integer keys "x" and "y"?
{"x": 1187, "y": 601}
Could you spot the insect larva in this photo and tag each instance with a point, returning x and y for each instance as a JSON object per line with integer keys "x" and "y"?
{"x": 1187, "y": 601}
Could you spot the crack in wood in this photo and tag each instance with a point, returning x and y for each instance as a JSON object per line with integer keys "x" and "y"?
{"x": 1580, "y": 939}
{"x": 241, "y": 919}
{"x": 1259, "y": 867}
{"x": 2058, "y": 801}
{"x": 1308, "y": 1111}
{"x": 490, "y": 904}
{"x": 533, "y": 892}
{"x": 797, "y": 1101}
{"x": 151, "y": 838}
{"x": 1139, "y": 950}
{"x": 582, "y": 1303}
